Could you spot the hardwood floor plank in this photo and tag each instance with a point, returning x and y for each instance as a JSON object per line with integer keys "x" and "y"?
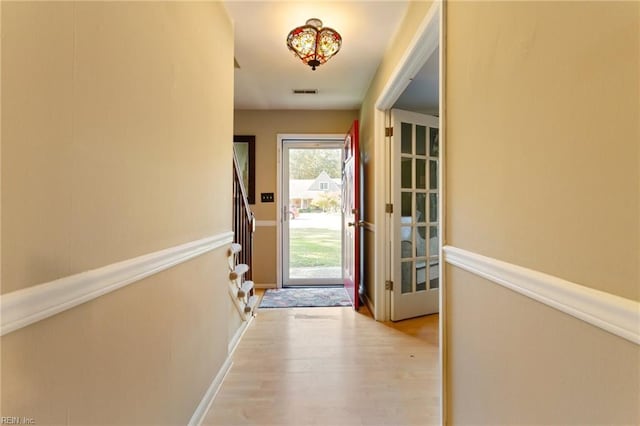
{"x": 331, "y": 366}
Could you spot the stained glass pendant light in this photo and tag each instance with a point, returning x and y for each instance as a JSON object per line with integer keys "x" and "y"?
{"x": 314, "y": 44}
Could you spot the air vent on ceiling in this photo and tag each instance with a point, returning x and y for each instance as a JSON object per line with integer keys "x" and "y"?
{"x": 305, "y": 91}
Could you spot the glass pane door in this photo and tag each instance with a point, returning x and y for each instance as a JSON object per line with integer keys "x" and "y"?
{"x": 312, "y": 218}
{"x": 419, "y": 207}
{"x": 415, "y": 187}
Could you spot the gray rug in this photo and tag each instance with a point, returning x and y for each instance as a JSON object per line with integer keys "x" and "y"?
{"x": 305, "y": 297}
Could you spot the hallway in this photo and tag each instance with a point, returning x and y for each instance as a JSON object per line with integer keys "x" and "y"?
{"x": 331, "y": 366}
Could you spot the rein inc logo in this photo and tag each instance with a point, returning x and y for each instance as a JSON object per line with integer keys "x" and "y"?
{"x": 12, "y": 420}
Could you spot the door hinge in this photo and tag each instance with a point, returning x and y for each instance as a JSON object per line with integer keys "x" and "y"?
{"x": 388, "y": 285}
{"x": 388, "y": 208}
{"x": 388, "y": 131}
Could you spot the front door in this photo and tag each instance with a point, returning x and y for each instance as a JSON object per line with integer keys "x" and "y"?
{"x": 311, "y": 216}
{"x": 416, "y": 225}
{"x": 351, "y": 215}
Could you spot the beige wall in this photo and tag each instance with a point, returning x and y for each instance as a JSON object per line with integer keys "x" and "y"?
{"x": 542, "y": 171}
{"x": 416, "y": 12}
{"x": 515, "y": 361}
{"x": 116, "y": 118}
{"x": 266, "y": 125}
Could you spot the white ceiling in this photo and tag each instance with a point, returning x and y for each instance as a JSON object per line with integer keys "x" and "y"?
{"x": 422, "y": 94}
{"x": 269, "y": 72}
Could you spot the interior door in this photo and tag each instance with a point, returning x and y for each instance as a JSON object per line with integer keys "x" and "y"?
{"x": 351, "y": 215}
{"x": 415, "y": 166}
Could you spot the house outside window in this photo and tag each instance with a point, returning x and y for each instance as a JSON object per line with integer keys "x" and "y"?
{"x": 308, "y": 194}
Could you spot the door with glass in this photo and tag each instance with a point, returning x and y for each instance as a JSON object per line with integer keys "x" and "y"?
{"x": 415, "y": 250}
{"x": 311, "y": 212}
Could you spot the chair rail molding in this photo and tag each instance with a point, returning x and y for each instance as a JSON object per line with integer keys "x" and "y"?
{"x": 23, "y": 307}
{"x": 266, "y": 223}
{"x": 615, "y": 314}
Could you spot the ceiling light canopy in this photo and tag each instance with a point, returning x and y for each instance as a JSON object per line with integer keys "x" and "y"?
{"x": 314, "y": 44}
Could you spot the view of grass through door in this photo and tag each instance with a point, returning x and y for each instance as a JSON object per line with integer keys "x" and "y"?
{"x": 315, "y": 219}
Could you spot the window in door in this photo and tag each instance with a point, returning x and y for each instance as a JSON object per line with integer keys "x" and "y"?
{"x": 415, "y": 186}
{"x": 312, "y": 237}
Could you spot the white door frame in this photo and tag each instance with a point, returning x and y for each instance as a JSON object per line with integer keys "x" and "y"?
{"x": 302, "y": 137}
{"x": 429, "y": 36}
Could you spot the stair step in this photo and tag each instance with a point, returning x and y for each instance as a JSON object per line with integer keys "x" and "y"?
{"x": 246, "y": 288}
{"x": 251, "y": 304}
{"x": 235, "y": 248}
{"x": 238, "y": 271}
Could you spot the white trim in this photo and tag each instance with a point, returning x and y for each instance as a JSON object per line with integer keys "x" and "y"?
{"x": 205, "y": 404}
{"x": 235, "y": 340}
{"x": 609, "y": 312}
{"x": 278, "y": 212}
{"x": 442, "y": 214}
{"x": 281, "y": 138}
{"x": 266, "y": 223}
{"x": 24, "y": 307}
{"x": 207, "y": 400}
{"x": 423, "y": 44}
{"x": 381, "y": 197}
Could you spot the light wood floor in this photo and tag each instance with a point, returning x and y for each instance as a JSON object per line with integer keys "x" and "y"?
{"x": 331, "y": 366}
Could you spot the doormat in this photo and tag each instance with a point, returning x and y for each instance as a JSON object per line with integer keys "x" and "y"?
{"x": 305, "y": 297}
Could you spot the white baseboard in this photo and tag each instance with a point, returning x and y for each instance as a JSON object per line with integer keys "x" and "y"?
{"x": 203, "y": 408}
{"x": 609, "y": 312}
{"x": 205, "y": 404}
{"x": 235, "y": 340}
{"x": 24, "y": 307}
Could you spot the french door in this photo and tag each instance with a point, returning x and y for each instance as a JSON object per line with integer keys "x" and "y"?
{"x": 415, "y": 167}
{"x": 311, "y": 216}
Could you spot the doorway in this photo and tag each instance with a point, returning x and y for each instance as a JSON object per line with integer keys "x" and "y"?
{"x": 310, "y": 237}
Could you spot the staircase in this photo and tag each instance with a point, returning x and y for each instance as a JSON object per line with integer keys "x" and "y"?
{"x": 241, "y": 251}
{"x": 244, "y": 223}
{"x": 241, "y": 289}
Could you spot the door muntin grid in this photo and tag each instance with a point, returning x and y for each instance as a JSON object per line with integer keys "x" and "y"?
{"x": 419, "y": 220}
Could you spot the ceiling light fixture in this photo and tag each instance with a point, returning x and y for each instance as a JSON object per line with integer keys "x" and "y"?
{"x": 313, "y": 44}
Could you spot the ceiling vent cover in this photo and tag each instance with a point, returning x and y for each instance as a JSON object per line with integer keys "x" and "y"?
{"x": 305, "y": 91}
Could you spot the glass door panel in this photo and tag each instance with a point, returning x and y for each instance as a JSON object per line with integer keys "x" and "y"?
{"x": 312, "y": 218}
{"x": 415, "y": 184}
